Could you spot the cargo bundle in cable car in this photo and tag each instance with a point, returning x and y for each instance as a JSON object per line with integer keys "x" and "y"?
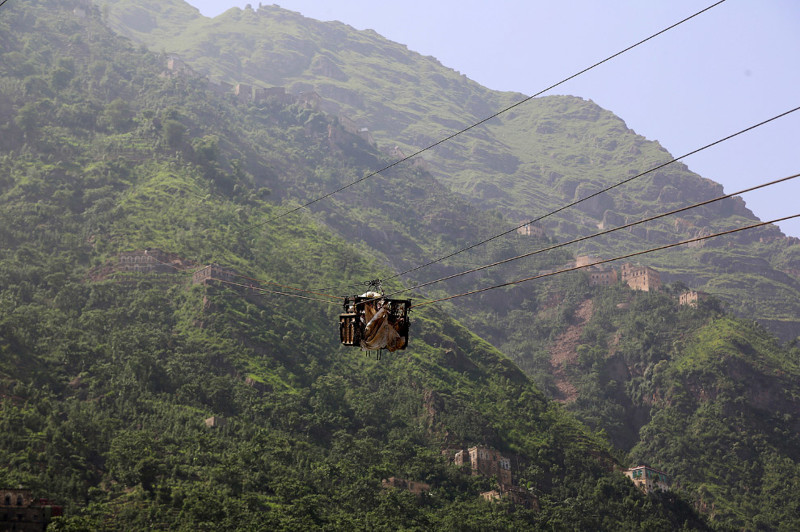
{"x": 374, "y": 322}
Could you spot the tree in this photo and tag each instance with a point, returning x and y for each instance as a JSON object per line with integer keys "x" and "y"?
{"x": 27, "y": 119}
{"x": 173, "y": 132}
{"x": 118, "y": 114}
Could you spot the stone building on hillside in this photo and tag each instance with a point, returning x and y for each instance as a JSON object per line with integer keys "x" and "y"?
{"x": 648, "y": 479}
{"x": 531, "y": 230}
{"x": 602, "y": 277}
{"x": 147, "y": 261}
{"x": 586, "y": 260}
{"x": 20, "y": 511}
{"x": 415, "y": 487}
{"x": 177, "y": 67}
{"x": 490, "y": 463}
{"x": 278, "y": 94}
{"x": 214, "y": 272}
{"x": 692, "y": 297}
{"x": 243, "y": 92}
{"x": 215, "y": 422}
{"x": 348, "y": 124}
{"x": 516, "y": 494}
{"x": 485, "y": 461}
{"x": 641, "y": 277}
{"x": 364, "y": 133}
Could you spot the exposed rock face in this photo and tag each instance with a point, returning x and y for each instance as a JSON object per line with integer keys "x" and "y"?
{"x": 456, "y": 359}
{"x": 323, "y": 66}
{"x": 669, "y": 194}
{"x": 611, "y": 220}
{"x": 595, "y": 206}
{"x": 563, "y": 352}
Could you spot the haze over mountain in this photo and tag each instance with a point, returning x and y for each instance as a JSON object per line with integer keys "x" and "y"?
{"x": 722, "y": 71}
{"x": 143, "y": 392}
{"x": 536, "y": 158}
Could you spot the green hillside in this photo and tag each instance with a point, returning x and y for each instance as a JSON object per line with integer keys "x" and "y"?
{"x": 711, "y": 399}
{"x": 541, "y": 155}
{"x": 107, "y": 375}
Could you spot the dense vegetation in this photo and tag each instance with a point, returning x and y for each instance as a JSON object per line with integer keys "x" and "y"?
{"x": 693, "y": 391}
{"x": 106, "y": 377}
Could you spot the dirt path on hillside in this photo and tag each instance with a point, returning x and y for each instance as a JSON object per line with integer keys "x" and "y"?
{"x": 563, "y": 352}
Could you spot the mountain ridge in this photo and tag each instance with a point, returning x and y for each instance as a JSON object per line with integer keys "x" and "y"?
{"x": 531, "y": 160}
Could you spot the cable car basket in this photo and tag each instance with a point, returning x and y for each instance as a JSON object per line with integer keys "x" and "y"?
{"x": 373, "y": 322}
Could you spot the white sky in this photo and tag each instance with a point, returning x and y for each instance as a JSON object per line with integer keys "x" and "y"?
{"x": 729, "y": 68}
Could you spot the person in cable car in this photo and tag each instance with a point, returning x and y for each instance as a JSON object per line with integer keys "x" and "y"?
{"x": 374, "y": 322}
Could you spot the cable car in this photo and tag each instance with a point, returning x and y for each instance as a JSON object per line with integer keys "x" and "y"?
{"x": 374, "y": 322}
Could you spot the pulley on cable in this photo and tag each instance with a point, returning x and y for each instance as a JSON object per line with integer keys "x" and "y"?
{"x": 374, "y": 322}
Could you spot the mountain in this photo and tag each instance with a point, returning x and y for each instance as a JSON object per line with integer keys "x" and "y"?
{"x": 139, "y": 397}
{"x": 690, "y": 390}
{"x": 543, "y": 154}
{"x": 621, "y": 369}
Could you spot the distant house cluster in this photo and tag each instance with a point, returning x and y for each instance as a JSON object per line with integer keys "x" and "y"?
{"x": 19, "y": 510}
{"x": 637, "y": 277}
{"x": 479, "y": 460}
{"x": 157, "y": 262}
{"x": 489, "y": 462}
{"x": 647, "y": 479}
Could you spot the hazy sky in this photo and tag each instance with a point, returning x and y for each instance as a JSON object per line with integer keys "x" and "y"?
{"x": 732, "y": 67}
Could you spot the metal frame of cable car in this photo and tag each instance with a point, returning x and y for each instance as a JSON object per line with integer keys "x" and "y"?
{"x": 353, "y": 322}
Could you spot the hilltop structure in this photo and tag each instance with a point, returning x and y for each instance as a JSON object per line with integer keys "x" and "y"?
{"x": 279, "y": 94}
{"x": 598, "y": 275}
{"x": 488, "y": 462}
